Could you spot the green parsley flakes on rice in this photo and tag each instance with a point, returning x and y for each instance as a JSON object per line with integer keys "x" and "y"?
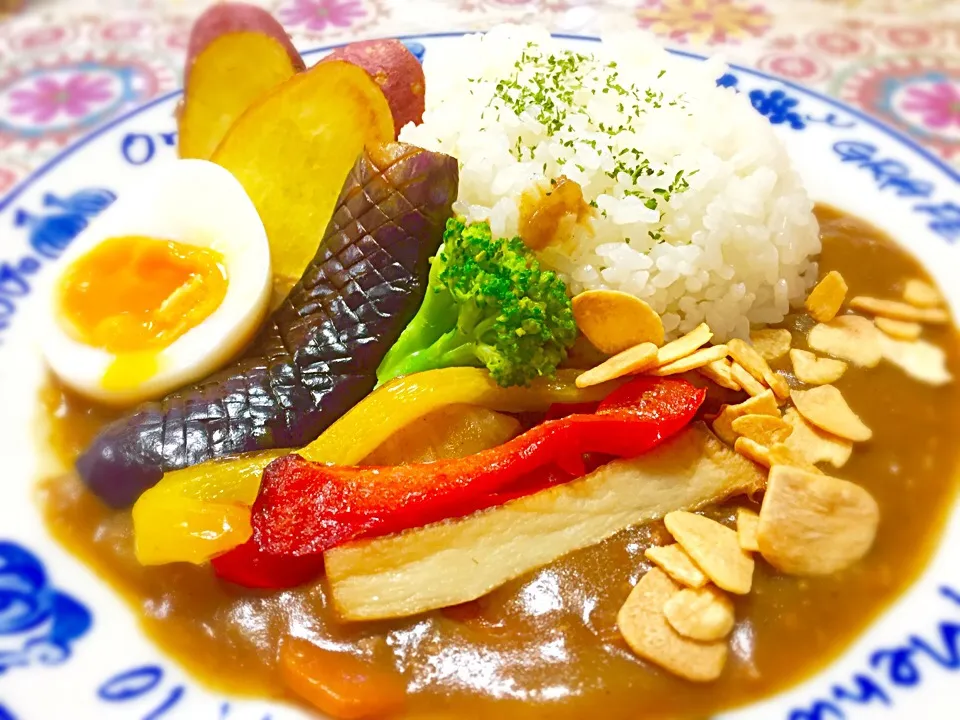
{"x": 695, "y": 206}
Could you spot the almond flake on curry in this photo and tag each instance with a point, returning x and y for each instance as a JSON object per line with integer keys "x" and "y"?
{"x": 764, "y": 403}
{"x": 812, "y": 370}
{"x": 748, "y": 382}
{"x": 629, "y": 362}
{"x": 919, "y": 359}
{"x": 899, "y": 329}
{"x": 921, "y": 294}
{"x": 675, "y": 562}
{"x": 754, "y": 364}
{"x": 714, "y": 548}
{"x": 810, "y": 442}
{"x": 848, "y": 337}
{"x": 644, "y": 627}
{"x": 776, "y": 454}
{"x": 896, "y": 310}
{"x": 684, "y": 345}
{"x": 747, "y": 522}
{"x": 825, "y": 407}
{"x": 698, "y": 359}
{"x": 615, "y": 321}
{"x": 771, "y": 343}
{"x": 764, "y": 429}
{"x": 719, "y": 372}
{"x": 705, "y": 614}
{"x": 826, "y": 299}
{"x": 753, "y": 451}
{"x": 815, "y": 524}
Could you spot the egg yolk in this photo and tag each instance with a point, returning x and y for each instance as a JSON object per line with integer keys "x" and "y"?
{"x": 138, "y": 294}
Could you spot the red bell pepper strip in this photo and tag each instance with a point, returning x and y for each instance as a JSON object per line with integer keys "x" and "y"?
{"x": 249, "y": 566}
{"x": 306, "y": 508}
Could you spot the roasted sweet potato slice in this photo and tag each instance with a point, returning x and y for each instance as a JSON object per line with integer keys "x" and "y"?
{"x": 237, "y": 54}
{"x": 292, "y": 150}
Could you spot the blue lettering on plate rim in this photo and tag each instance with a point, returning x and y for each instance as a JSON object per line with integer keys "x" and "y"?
{"x": 891, "y": 668}
{"x": 41, "y": 620}
{"x": 888, "y": 174}
{"x": 49, "y": 232}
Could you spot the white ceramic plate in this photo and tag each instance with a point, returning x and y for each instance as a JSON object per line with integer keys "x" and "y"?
{"x": 69, "y": 648}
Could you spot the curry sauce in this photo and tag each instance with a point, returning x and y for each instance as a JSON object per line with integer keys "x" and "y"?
{"x": 547, "y": 644}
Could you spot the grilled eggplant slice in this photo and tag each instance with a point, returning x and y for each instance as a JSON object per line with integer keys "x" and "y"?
{"x": 318, "y": 353}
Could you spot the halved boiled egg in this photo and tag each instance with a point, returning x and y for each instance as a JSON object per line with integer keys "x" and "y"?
{"x": 164, "y": 288}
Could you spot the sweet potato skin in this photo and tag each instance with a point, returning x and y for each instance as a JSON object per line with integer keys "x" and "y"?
{"x": 396, "y": 70}
{"x": 233, "y": 17}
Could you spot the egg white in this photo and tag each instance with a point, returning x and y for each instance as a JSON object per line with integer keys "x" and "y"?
{"x": 194, "y": 202}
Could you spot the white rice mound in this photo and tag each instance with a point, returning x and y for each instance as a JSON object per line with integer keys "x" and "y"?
{"x": 733, "y": 248}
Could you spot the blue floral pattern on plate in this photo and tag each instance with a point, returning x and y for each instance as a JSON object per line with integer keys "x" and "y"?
{"x": 42, "y": 621}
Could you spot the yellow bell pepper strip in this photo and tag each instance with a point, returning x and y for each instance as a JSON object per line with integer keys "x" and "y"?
{"x": 398, "y": 403}
{"x": 194, "y": 514}
{"x": 200, "y": 511}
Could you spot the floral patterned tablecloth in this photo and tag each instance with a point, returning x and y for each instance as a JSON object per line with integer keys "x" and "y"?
{"x": 67, "y": 66}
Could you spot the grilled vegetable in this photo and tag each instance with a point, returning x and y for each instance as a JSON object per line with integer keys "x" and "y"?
{"x": 193, "y": 514}
{"x": 456, "y": 561}
{"x": 306, "y": 508}
{"x": 318, "y": 354}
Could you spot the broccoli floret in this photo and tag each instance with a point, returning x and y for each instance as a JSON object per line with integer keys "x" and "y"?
{"x": 488, "y": 304}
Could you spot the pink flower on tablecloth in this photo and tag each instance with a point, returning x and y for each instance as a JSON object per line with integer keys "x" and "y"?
{"x": 48, "y": 97}
{"x": 938, "y": 104}
{"x": 317, "y": 15}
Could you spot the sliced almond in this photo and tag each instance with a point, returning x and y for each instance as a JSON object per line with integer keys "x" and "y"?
{"x": 700, "y": 358}
{"x": 675, "y": 562}
{"x": 768, "y": 457}
{"x": 614, "y": 321}
{"x": 705, "y": 614}
{"x": 919, "y": 359}
{"x": 754, "y": 451}
{"x": 683, "y": 346}
{"x": 748, "y": 382}
{"x": 825, "y": 407}
{"x": 714, "y": 548}
{"x": 813, "y": 370}
{"x": 644, "y": 626}
{"x": 780, "y": 454}
{"x": 719, "y": 372}
{"x": 922, "y": 294}
{"x": 899, "y": 329}
{"x": 826, "y": 299}
{"x": 848, "y": 337}
{"x": 754, "y": 364}
{"x": 764, "y": 429}
{"x": 900, "y": 311}
{"x": 815, "y": 524}
{"x": 810, "y": 442}
{"x": 629, "y": 362}
{"x": 764, "y": 403}
{"x": 771, "y": 343}
{"x": 747, "y": 521}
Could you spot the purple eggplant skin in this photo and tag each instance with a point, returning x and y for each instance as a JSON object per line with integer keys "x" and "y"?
{"x": 318, "y": 353}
